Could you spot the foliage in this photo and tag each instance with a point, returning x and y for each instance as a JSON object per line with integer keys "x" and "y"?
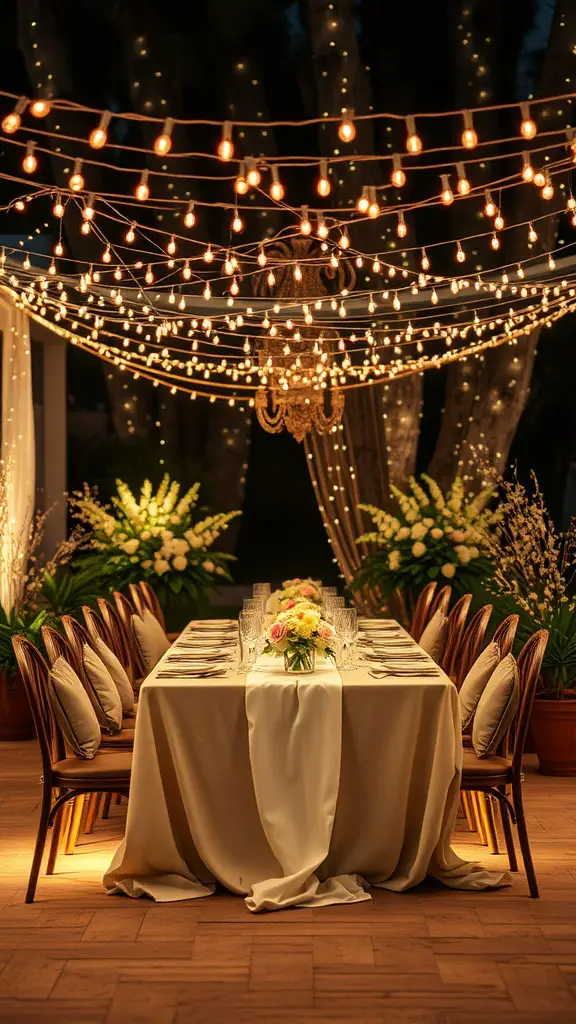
{"x": 434, "y": 536}
{"x": 65, "y": 591}
{"x": 26, "y": 621}
{"x": 534, "y": 573}
{"x": 153, "y": 538}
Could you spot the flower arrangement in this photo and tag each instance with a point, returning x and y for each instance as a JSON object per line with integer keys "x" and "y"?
{"x": 293, "y": 592}
{"x": 298, "y": 634}
{"x": 154, "y": 537}
{"x": 433, "y": 536}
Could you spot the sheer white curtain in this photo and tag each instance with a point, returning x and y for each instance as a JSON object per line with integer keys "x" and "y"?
{"x": 18, "y": 451}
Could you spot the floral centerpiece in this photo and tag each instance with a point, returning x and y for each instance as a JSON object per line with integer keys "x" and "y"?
{"x": 292, "y": 592}
{"x": 433, "y": 536}
{"x": 155, "y": 537}
{"x": 298, "y": 634}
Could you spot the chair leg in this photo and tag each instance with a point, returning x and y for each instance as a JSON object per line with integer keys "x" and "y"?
{"x": 55, "y": 842}
{"x": 487, "y": 813}
{"x": 478, "y": 816}
{"x": 40, "y": 843}
{"x": 75, "y": 824}
{"x": 106, "y": 805}
{"x": 468, "y": 810}
{"x": 508, "y": 835}
{"x": 91, "y": 813}
{"x": 523, "y": 839}
{"x": 118, "y": 799}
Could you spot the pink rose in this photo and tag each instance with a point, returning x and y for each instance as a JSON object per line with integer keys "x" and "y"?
{"x": 290, "y": 603}
{"x": 278, "y": 632}
{"x": 326, "y": 631}
{"x": 307, "y": 591}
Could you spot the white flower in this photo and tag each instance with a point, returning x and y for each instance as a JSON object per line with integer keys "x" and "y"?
{"x": 180, "y": 546}
{"x": 209, "y": 566}
{"x": 394, "y": 560}
{"x": 180, "y": 562}
{"x": 428, "y": 522}
{"x": 459, "y": 535}
{"x": 161, "y": 566}
{"x": 418, "y": 549}
{"x": 436, "y": 533}
{"x": 130, "y": 546}
{"x": 147, "y": 564}
{"x": 193, "y": 539}
{"x": 463, "y": 553}
{"x": 448, "y": 570}
{"x": 403, "y": 533}
{"x": 418, "y": 531}
{"x": 411, "y": 516}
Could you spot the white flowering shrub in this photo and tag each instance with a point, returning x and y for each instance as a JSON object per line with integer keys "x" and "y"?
{"x": 154, "y": 537}
{"x": 433, "y": 536}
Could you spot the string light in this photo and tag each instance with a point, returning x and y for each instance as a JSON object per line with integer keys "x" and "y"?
{"x": 276, "y": 187}
{"x": 347, "y": 128}
{"x": 495, "y": 241}
{"x": 253, "y": 176}
{"x": 76, "y": 182}
{"x": 190, "y": 216}
{"x": 539, "y": 179}
{"x": 240, "y": 184}
{"x": 30, "y": 161}
{"x": 446, "y": 195}
{"x": 226, "y": 146}
{"x": 373, "y": 207}
{"x": 305, "y": 225}
{"x": 323, "y": 186}
{"x": 528, "y": 127}
{"x": 463, "y": 183}
{"x": 88, "y": 210}
{"x": 499, "y": 221}
{"x": 424, "y": 262}
{"x": 171, "y": 247}
{"x": 142, "y": 190}
{"x": 527, "y": 169}
{"x": 363, "y": 201}
{"x": 130, "y": 234}
{"x": 58, "y": 209}
{"x": 469, "y": 136}
{"x": 12, "y": 122}
{"x": 490, "y": 208}
{"x": 322, "y": 227}
{"x": 401, "y": 227}
{"x": 237, "y": 222}
{"x": 163, "y": 144}
{"x": 99, "y": 136}
{"x": 262, "y": 260}
{"x": 460, "y": 254}
{"x": 413, "y": 140}
{"x": 397, "y": 177}
{"x": 548, "y": 188}
{"x": 40, "y": 108}
{"x": 532, "y": 233}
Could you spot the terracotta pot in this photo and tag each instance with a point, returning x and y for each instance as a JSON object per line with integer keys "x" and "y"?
{"x": 16, "y": 721}
{"x": 554, "y": 731}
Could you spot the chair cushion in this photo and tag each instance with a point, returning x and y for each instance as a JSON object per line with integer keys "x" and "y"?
{"x": 496, "y": 708}
{"x": 102, "y": 691}
{"x": 151, "y": 639}
{"x": 106, "y": 766}
{"x": 483, "y": 766}
{"x": 123, "y": 740}
{"x": 119, "y": 675}
{"x": 434, "y": 636}
{"x": 74, "y": 711}
{"x": 475, "y": 682}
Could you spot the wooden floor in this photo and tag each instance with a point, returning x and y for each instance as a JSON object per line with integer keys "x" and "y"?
{"x": 426, "y": 956}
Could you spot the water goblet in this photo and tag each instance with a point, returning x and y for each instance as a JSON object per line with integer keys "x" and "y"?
{"x": 329, "y": 605}
{"x": 251, "y": 628}
{"x": 346, "y": 626}
{"x": 261, "y": 590}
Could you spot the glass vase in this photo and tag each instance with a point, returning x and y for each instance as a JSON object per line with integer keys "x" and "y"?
{"x": 300, "y": 661}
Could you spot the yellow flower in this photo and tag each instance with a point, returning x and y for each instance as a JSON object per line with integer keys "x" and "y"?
{"x": 463, "y": 553}
{"x": 179, "y": 563}
{"x": 418, "y": 549}
{"x": 448, "y": 570}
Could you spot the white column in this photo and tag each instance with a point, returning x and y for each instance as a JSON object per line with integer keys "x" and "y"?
{"x": 55, "y": 402}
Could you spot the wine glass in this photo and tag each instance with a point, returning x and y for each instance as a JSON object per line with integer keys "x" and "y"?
{"x": 251, "y": 627}
{"x": 329, "y": 605}
{"x": 345, "y": 623}
{"x": 329, "y": 592}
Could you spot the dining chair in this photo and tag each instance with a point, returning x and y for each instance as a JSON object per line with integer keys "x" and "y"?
{"x": 505, "y": 634}
{"x": 500, "y": 776}
{"x": 441, "y": 600}
{"x": 472, "y": 642}
{"x": 64, "y": 776}
{"x": 422, "y": 609}
{"x": 97, "y": 628}
{"x": 118, "y": 636}
{"x": 125, "y": 613}
{"x": 153, "y": 604}
{"x": 454, "y": 633}
{"x": 138, "y": 600}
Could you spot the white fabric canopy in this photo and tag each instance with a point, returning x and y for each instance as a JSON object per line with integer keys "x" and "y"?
{"x": 18, "y": 450}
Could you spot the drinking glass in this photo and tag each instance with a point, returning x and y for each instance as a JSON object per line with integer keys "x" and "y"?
{"x": 254, "y": 604}
{"x": 329, "y": 592}
{"x": 261, "y": 590}
{"x": 329, "y": 605}
{"x": 251, "y": 628}
{"x": 345, "y": 623}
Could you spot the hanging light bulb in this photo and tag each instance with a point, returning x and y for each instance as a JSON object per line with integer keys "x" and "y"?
{"x": 207, "y": 293}
{"x": 571, "y": 202}
{"x": 59, "y": 249}
{"x": 446, "y": 195}
{"x": 88, "y": 211}
{"x": 86, "y": 227}
{"x": 208, "y": 255}
{"x": 76, "y": 182}
{"x": 413, "y": 140}
{"x": 99, "y": 136}
{"x": 186, "y": 271}
{"x": 237, "y": 222}
{"x": 539, "y": 179}
{"x": 548, "y": 188}
{"x": 527, "y": 169}
{"x": 520, "y": 271}
{"x": 40, "y": 108}
{"x": 532, "y": 233}
{"x": 322, "y": 227}
{"x": 528, "y": 127}
{"x": 551, "y": 262}
{"x": 490, "y": 208}
{"x": 276, "y": 186}
{"x": 373, "y": 207}
{"x": 58, "y": 209}
{"x": 190, "y": 216}
{"x": 226, "y": 146}
{"x": 460, "y": 254}
{"x": 495, "y": 241}
{"x": 106, "y": 255}
{"x": 469, "y": 136}
{"x": 262, "y": 260}
{"x": 149, "y": 276}
{"x": 424, "y": 262}
{"x": 171, "y": 247}
{"x": 323, "y": 186}
{"x": 253, "y": 176}
{"x": 363, "y": 201}
{"x": 270, "y": 280}
{"x": 30, "y": 161}
{"x": 130, "y": 234}
{"x": 498, "y": 221}
{"x": 397, "y": 177}
{"x": 12, "y": 122}
{"x": 305, "y": 225}
{"x": 234, "y": 287}
{"x": 463, "y": 183}
{"x": 401, "y": 227}
{"x": 297, "y": 272}
{"x": 142, "y": 190}
{"x": 163, "y": 144}
{"x": 347, "y": 128}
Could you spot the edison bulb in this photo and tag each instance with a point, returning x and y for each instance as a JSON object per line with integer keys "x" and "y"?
{"x": 234, "y": 287}
{"x": 241, "y": 185}
{"x": 208, "y": 255}
{"x": 323, "y": 186}
{"x": 186, "y": 271}
{"x": 548, "y": 190}
{"x": 469, "y": 138}
{"x": 499, "y": 221}
{"x": 130, "y": 234}
{"x": 142, "y": 191}
{"x": 190, "y": 217}
{"x": 305, "y": 225}
{"x": 401, "y": 227}
{"x": 532, "y": 234}
{"x": 40, "y": 108}
{"x": 58, "y": 249}
{"x": 163, "y": 144}
{"x": 171, "y": 247}
{"x": 460, "y": 254}
{"x": 398, "y": 177}
{"x": 86, "y": 227}
{"x": 413, "y": 144}
{"x": 463, "y": 186}
{"x": 322, "y": 228}
{"x": 276, "y": 189}
{"x": 262, "y": 260}
{"x": 495, "y": 242}
{"x": 106, "y": 257}
{"x": 98, "y": 138}
{"x": 253, "y": 176}
{"x": 271, "y": 280}
{"x": 425, "y": 262}
{"x": 528, "y": 127}
{"x": 571, "y": 202}
{"x": 490, "y": 208}
{"x": 76, "y": 182}
{"x": 346, "y": 128}
{"x": 30, "y": 162}
{"x": 226, "y": 146}
{"x": 11, "y": 123}
{"x": 539, "y": 179}
{"x": 527, "y": 169}
{"x": 363, "y": 202}
{"x": 447, "y": 196}
{"x": 373, "y": 210}
{"x": 237, "y": 223}
{"x": 58, "y": 209}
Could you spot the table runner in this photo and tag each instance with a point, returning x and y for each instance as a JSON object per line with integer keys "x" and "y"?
{"x": 199, "y": 812}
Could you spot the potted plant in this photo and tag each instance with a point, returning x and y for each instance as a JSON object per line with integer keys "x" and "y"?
{"x": 431, "y": 536}
{"x": 534, "y": 573}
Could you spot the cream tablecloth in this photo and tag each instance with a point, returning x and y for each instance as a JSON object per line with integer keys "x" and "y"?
{"x": 293, "y": 790}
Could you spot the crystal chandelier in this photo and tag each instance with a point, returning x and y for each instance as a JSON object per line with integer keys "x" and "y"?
{"x": 299, "y": 410}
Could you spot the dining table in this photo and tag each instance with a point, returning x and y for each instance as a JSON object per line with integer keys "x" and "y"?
{"x": 294, "y": 789}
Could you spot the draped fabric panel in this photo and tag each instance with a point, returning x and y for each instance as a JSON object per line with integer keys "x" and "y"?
{"x": 18, "y": 453}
